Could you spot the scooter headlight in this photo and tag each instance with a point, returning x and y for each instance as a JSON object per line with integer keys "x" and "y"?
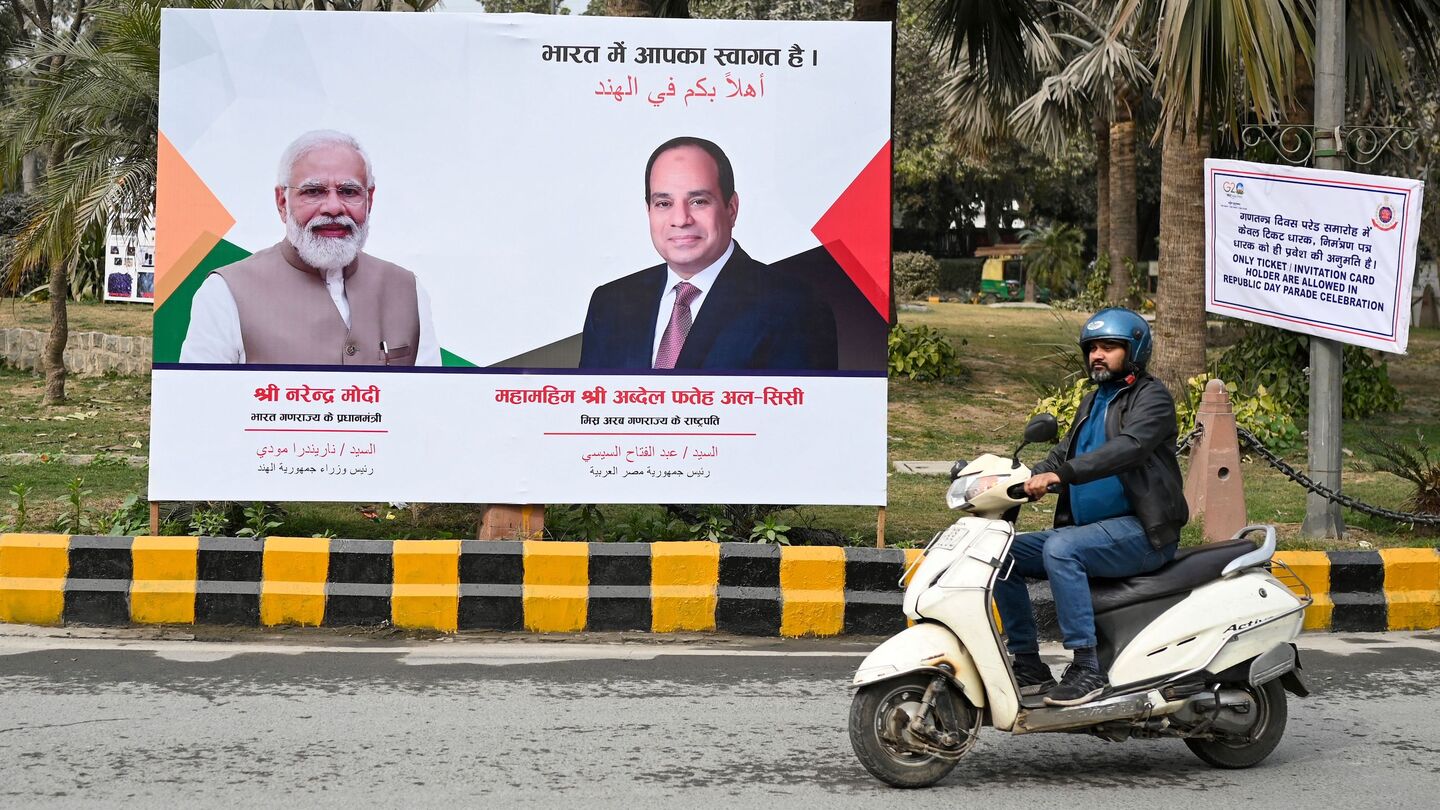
{"x": 969, "y": 487}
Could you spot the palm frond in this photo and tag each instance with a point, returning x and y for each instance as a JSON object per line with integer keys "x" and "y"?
{"x": 989, "y": 37}
{"x": 1216, "y": 57}
{"x": 89, "y": 103}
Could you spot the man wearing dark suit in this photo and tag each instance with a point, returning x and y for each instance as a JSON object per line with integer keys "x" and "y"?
{"x": 709, "y": 306}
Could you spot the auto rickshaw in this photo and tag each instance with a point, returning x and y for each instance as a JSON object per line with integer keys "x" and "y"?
{"x": 1002, "y": 278}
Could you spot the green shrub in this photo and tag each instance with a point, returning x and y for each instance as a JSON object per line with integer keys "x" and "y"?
{"x": 961, "y": 275}
{"x": 1414, "y": 463}
{"x": 1260, "y": 412}
{"x": 914, "y": 275}
{"x": 923, "y": 354}
{"x": 130, "y": 518}
{"x": 1277, "y": 360}
{"x": 1094, "y": 281}
{"x": 1063, "y": 401}
{"x": 581, "y": 521}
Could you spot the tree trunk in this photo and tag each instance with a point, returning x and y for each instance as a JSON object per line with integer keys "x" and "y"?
{"x": 1029, "y": 286}
{"x": 1102, "y": 186}
{"x": 1180, "y": 298}
{"x": 59, "y": 334}
{"x": 628, "y": 8}
{"x": 1123, "y": 226}
{"x": 992, "y": 220}
{"x": 875, "y": 10}
{"x": 29, "y": 172}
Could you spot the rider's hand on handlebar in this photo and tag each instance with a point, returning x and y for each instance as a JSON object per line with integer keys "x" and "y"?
{"x": 1038, "y": 485}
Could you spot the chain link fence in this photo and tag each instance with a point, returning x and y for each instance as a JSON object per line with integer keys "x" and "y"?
{"x": 1253, "y": 442}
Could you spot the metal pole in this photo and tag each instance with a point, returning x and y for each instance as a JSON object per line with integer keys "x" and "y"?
{"x": 1323, "y": 518}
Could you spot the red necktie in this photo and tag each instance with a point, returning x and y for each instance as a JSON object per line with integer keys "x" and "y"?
{"x": 679, "y": 326}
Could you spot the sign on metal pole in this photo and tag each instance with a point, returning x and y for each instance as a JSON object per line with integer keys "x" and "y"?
{"x": 1324, "y": 253}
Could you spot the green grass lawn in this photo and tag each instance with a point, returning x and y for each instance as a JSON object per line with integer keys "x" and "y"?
{"x": 113, "y": 318}
{"x": 1004, "y": 350}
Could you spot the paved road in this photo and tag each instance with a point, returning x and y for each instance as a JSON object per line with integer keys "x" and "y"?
{"x": 325, "y": 720}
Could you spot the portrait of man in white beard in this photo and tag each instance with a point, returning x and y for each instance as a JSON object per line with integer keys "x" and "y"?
{"x": 315, "y": 298}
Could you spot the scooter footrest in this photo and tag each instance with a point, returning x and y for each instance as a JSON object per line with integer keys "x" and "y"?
{"x": 1032, "y": 701}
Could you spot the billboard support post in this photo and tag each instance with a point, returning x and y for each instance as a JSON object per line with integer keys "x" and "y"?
{"x": 512, "y": 522}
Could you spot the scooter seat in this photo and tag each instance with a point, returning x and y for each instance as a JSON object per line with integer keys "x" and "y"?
{"x": 1190, "y": 569}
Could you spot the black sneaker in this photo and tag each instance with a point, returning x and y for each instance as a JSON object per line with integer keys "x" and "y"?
{"x": 1033, "y": 680}
{"x": 1078, "y": 685}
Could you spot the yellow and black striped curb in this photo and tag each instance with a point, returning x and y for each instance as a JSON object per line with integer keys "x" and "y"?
{"x": 452, "y": 585}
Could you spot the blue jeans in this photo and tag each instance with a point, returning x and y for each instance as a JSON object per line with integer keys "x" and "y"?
{"x": 1068, "y": 557}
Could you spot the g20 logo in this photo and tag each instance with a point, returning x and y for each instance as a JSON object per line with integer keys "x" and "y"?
{"x": 1233, "y": 188}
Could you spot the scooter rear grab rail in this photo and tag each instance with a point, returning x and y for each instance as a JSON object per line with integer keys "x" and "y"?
{"x": 1259, "y": 556}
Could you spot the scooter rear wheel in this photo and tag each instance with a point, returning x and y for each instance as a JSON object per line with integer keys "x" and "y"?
{"x": 878, "y": 709}
{"x": 1271, "y": 714}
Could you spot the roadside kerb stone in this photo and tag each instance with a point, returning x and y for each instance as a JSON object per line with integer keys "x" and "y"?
{"x": 742, "y": 588}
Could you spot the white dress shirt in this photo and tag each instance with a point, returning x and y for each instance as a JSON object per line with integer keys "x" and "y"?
{"x": 702, "y": 281}
{"x": 214, "y": 335}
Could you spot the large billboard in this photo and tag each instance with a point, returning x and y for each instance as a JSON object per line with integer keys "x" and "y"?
{"x": 1324, "y": 253}
{"x": 521, "y": 259}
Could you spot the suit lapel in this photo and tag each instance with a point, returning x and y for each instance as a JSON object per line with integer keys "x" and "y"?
{"x": 725, "y": 301}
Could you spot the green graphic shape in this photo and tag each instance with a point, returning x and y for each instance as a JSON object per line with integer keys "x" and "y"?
{"x": 172, "y": 318}
{"x": 449, "y": 358}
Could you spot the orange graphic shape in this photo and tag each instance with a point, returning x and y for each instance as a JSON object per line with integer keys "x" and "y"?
{"x": 189, "y": 220}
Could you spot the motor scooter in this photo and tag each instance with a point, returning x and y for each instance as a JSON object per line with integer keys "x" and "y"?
{"x": 1201, "y": 649}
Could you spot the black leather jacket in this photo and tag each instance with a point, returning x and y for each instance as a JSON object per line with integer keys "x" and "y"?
{"x": 1140, "y": 434}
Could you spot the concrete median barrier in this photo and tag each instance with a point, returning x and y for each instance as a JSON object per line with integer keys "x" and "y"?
{"x": 558, "y": 587}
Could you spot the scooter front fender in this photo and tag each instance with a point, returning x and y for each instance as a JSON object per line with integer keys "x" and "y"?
{"x": 923, "y": 648}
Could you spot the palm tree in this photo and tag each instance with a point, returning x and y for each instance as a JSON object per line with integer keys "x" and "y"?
{"x": 1082, "y": 71}
{"x": 1216, "y": 60}
{"x": 1101, "y": 129}
{"x": 90, "y": 107}
{"x": 1052, "y": 256}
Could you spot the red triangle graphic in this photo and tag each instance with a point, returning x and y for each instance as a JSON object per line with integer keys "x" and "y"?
{"x": 856, "y": 231}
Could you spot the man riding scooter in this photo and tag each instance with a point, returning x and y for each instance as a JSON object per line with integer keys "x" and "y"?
{"x": 1120, "y": 510}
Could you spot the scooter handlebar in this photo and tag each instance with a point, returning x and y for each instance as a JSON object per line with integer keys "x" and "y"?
{"x": 1017, "y": 491}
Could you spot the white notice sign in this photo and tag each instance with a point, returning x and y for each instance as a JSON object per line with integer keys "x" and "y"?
{"x": 1323, "y": 253}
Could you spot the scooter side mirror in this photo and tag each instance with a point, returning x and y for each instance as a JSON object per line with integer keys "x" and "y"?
{"x": 1042, "y": 427}
{"x": 957, "y": 467}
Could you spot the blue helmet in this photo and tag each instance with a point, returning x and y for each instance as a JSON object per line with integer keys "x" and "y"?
{"x": 1117, "y": 323}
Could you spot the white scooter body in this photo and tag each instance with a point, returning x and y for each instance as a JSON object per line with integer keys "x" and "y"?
{"x": 1245, "y": 615}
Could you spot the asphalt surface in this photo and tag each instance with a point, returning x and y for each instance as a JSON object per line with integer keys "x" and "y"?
{"x": 114, "y": 718}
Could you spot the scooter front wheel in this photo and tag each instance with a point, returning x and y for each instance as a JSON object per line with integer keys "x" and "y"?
{"x": 879, "y": 719}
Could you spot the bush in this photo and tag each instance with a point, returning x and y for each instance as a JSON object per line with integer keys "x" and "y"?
{"x": 923, "y": 354}
{"x": 14, "y": 212}
{"x": 1261, "y": 413}
{"x": 915, "y": 275}
{"x": 1278, "y": 360}
{"x": 1094, "y": 280}
{"x": 1416, "y": 465}
{"x": 961, "y": 275}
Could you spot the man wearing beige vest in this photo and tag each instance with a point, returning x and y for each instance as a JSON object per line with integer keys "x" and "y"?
{"x": 315, "y": 298}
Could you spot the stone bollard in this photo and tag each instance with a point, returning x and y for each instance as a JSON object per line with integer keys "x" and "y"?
{"x": 1214, "y": 487}
{"x": 508, "y": 522}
